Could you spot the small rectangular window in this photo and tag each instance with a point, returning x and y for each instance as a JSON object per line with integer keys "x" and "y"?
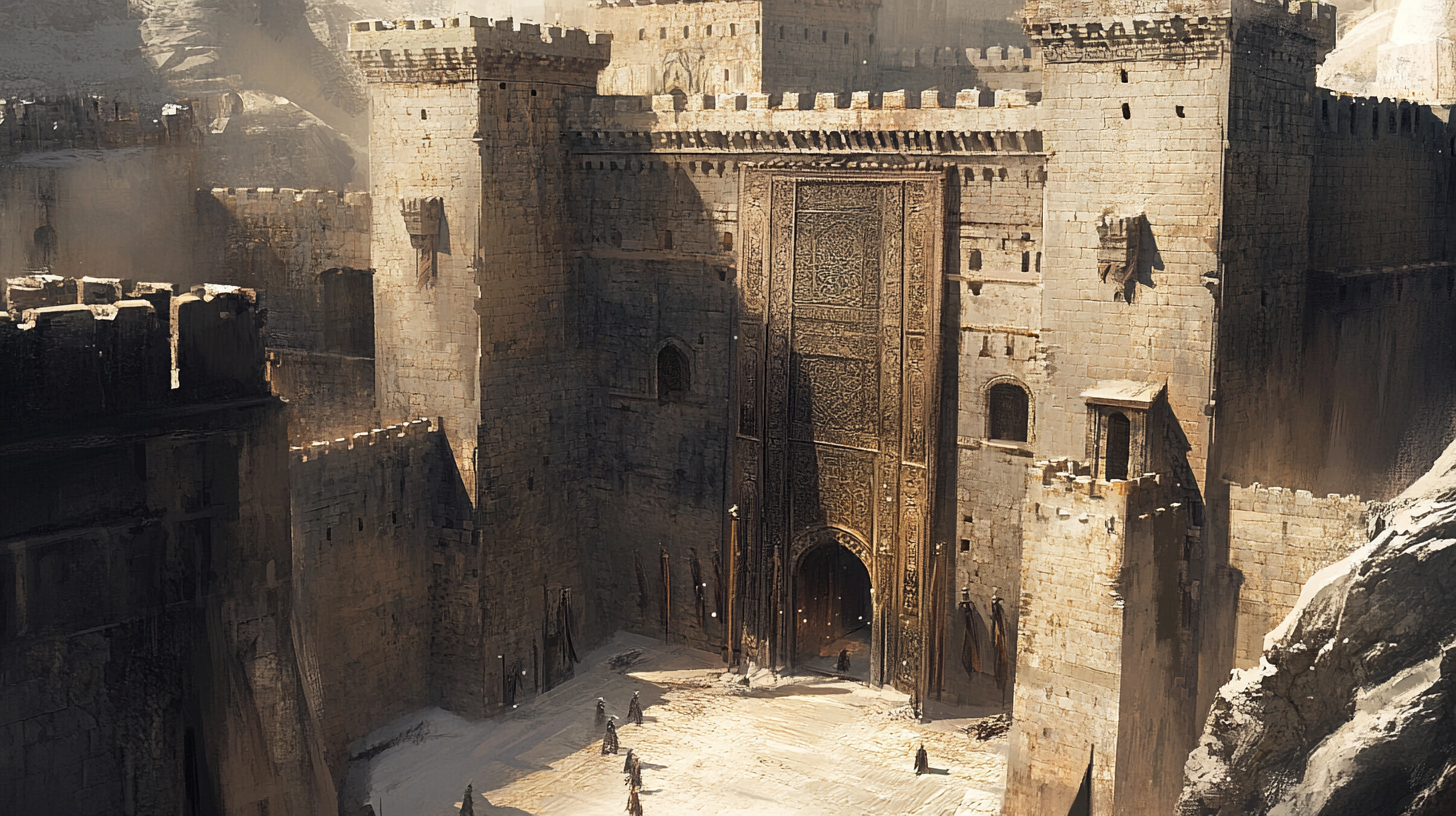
{"x": 661, "y": 33}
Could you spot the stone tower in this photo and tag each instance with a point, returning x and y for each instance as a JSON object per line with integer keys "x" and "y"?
{"x": 1177, "y": 184}
{"x": 738, "y": 46}
{"x": 471, "y": 247}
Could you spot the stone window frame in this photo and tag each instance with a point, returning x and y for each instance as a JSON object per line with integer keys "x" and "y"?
{"x": 1138, "y": 409}
{"x": 1008, "y": 379}
{"x": 689, "y": 359}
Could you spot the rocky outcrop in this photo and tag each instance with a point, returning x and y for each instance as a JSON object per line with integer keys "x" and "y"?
{"x": 1353, "y": 706}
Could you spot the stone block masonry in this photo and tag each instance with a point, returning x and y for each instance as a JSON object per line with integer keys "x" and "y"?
{"x": 1100, "y": 686}
{"x": 143, "y": 350}
{"x": 147, "y": 659}
{"x": 382, "y": 532}
{"x": 474, "y": 319}
{"x": 307, "y": 254}
{"x": 1278, "y": 539}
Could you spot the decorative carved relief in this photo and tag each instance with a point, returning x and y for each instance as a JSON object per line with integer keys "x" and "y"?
{"x": 889, "y": 503}
{"x": 1118, "y": 239}
{"x": 840, "y": 196}
{"x": 832, "y": 486}
{"x": 907, "y": 671}
{"x": 811, "y": 539}
{"x": 915, "y": 399}
{"x": 846, "y": 367}
{"x": 913, "y": 535}
{"x": 836, "y": 259}
{"x": 836, "y": 399}
{"x": 422, "y": 217}
{"x": 749, "y": 362}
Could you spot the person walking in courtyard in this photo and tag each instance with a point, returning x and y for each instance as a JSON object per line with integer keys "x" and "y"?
{"x": 601, "y": 712}
{"x": 842, "y": 665}
{"x": 609, "y": 742}
{"x": 634, "y": 709}
{"x": 922, "y": 761}
{"x": 627, "y": 766}
{"x": 634, "y": 802}
{"x": 634, "y": 770}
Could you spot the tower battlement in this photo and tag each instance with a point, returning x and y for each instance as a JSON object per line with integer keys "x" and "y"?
{"x": 455, "y": 48}
{"x": 126, "y": 347}
{"x": 1129, "y": 31}
{"x": 822, "y": 118}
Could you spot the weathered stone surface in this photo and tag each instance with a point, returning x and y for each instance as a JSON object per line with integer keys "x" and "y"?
{"x": 1350, "y": 707}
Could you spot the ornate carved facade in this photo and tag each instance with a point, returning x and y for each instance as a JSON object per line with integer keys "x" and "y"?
{"x": 838, "y": 364}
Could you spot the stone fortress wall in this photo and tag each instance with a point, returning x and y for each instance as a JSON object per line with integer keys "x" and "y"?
{"x": 1278, "y": 539}
{"x": 1103, "y": 633}
{"x": 388, "y": 592}
{"x": 1098, "y": 231}
{"x": 476, "y": 318}
{"x": 658, "y": 229}
{"x": 307, "y": 253}
{"x": 738, "y": 46}
{"x": 145, "y": 558}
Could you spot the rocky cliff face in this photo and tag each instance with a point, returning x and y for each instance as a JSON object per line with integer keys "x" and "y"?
{"x": 276, "y": 101}
{"x": 1353, "y": 707}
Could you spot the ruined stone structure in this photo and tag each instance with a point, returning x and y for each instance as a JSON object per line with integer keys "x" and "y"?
{"x": 762, "y": 361}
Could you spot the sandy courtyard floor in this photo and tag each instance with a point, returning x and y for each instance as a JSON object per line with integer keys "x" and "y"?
{"x": 800, "y": 746}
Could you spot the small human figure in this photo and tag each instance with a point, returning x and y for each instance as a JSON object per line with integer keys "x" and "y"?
{"x": 609, "y": 742}
{"x": 467, "y": 805}
{"x": 601, "y": 712}
{"x": 842, "y": 665}
{"x": 922, "y": 761}
{"x": 634, "y": 775}
{"x": 634, "y": 802}
{"x": 627, "y": 766}
{"x": 634, "y": 709}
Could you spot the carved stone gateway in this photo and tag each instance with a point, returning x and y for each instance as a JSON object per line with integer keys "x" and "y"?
{"x": 836, "y": 396}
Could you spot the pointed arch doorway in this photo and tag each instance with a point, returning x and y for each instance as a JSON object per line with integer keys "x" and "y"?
{"x": 833, "y": 603}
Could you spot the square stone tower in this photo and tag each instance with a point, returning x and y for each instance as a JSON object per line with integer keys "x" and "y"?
{"x": 738, "y": 46}
{"x": 1175, "y": 240}
{"x": 471, "y": 247}
{"x": 467, "y": 167}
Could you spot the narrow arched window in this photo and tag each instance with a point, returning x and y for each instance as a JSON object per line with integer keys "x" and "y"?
{"x": 1119, "y": 443}
{"x": 1009, "y": 411}
{"x": 672, "y": 374}
{"x": 44, "y": 247}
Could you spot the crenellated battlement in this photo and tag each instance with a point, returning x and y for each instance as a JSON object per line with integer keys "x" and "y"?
{"x": 455, "y": 49}
{"x": 411, "y": 430}
{"x": 994, "y": 58}
{"x": 1064, "y": 489}
{"x": 1398, "y": 121}
{"x": 118, "y": 347}
{"x": 288, "y": 196}
{"x": 89, "y": 121}
{"x": 891, "y": 122}
{"x": 1077, "y": 33}
{"x": 1264, "y": 499}
{"x": 1072, "y": 476}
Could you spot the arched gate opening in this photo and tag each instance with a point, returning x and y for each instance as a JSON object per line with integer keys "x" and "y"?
{"x": 834, "y": 612}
